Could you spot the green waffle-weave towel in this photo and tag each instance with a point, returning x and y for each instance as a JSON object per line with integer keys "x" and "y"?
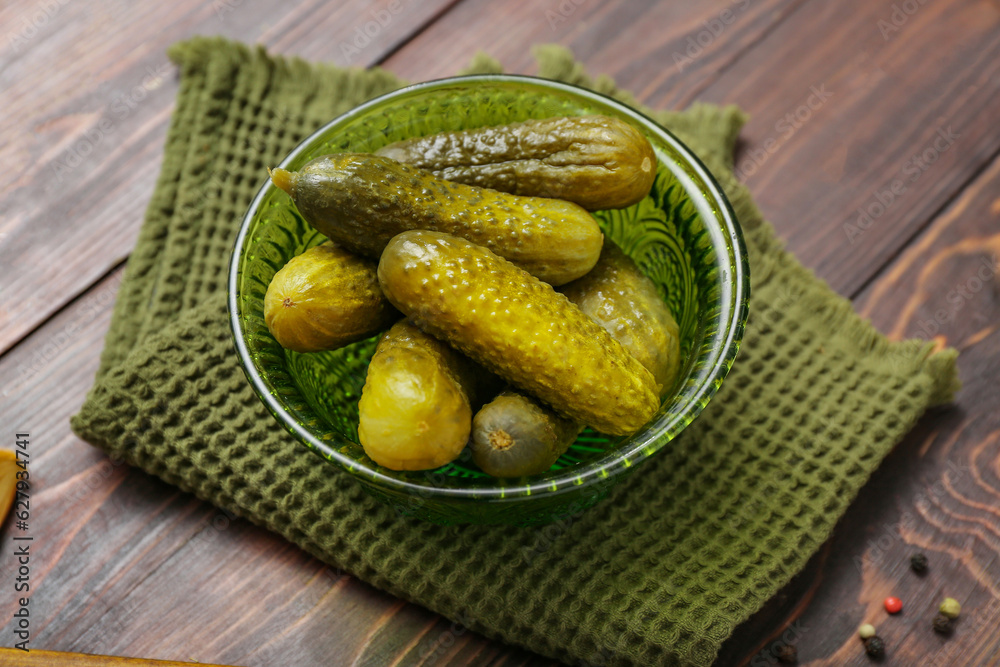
{"x": 659, "y": 573}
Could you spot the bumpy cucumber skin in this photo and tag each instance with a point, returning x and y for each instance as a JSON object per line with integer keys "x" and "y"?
{"x": 596, "y": 161}
{"x": 324, "y": 299}
{"x": 619, "y": 297}
{"x": 514, "y": 436}
{"x": 518, "y": 327}
{"x": 415, "y": 411}
{"x": 361, "y": 201}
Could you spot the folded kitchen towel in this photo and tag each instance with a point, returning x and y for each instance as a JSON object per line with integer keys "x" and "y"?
{"x": 658, "y": 573}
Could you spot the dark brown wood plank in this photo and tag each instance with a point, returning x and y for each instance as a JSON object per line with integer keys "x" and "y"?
{"x": 117, "y": 544}
{"x": 643, "y": 45}
{"x": 910, "y": 98}
{"x": 88, "y": 92}
{"x": 932, "y": 85}
{"x": 939, "y": 490}
{"x": 124, "y": 564}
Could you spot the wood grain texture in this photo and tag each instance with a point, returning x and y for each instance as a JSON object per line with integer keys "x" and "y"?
{"x": 88, "y": 92}
{"x": 643, "y": 45}
{"x": 127, "y": 565}
{"x": 10, "y": 656}
{"x": 124, "y": 564}
{"x": 911, "y": 109}
{"x": 937, "y": 493}
{"x": 827, "y": 96}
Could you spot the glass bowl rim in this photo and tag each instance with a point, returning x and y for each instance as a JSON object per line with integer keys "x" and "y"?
{"x": 574, "y": 477}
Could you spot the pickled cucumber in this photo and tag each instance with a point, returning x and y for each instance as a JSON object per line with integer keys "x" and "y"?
{"x": 518, "y": 327}
{"x": 619, "y": 297}
{"x": 326, "y": 298}
{"x": 361, "y": 201}
{"x": 416, "y": 407}
{"x": 596, "y": 161}
{"x": 515, "y": 435}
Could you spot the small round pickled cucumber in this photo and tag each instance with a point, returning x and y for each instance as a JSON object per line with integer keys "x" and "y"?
{"x": 625, "y": 302}
{"x": 326, "y": 298}
{"x": 514, "y": 436}
{"x": 415, "y": 411}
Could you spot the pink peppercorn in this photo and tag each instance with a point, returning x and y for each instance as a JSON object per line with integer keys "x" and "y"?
{"x": 893, "y": 605}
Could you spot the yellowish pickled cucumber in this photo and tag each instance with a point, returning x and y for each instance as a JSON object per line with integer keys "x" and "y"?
{"x": 416, "y": 407}
{"x": 619, "y": 297}
{"x": 518, "y": 327}
{"x": 326, "y": 298}
{"x": 514, "y": 435}
{"x": 361, "y": 201}
{"x": 599, "y": 162}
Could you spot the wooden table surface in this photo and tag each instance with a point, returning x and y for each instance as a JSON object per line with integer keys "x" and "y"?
{"x": 888, "y": 108}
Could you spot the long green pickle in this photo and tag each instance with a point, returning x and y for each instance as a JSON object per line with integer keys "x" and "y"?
{"x": 518, "y": 327}
{"x": 599, "y": 162}
{"x": 514, "y": 435}
{"x": 416, "y": 407}
{"x": 623, "y": 300}
{"x": 326, "y": 298}
{"x": 361, "y": 201}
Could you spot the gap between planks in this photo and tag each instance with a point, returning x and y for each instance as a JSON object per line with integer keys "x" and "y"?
{"x": 925, "y": 227}
{"x": 118, "y": 265}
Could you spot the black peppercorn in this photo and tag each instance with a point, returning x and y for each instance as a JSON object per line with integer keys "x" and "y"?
{"x": 942, "y": 624}
{"x": 874, "y": 647}
{"x": 788, "y": 654}
{"x": 919, "y": 563}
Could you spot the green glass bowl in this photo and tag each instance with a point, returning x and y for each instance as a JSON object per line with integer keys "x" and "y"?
{"x": 684, "y": 236}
